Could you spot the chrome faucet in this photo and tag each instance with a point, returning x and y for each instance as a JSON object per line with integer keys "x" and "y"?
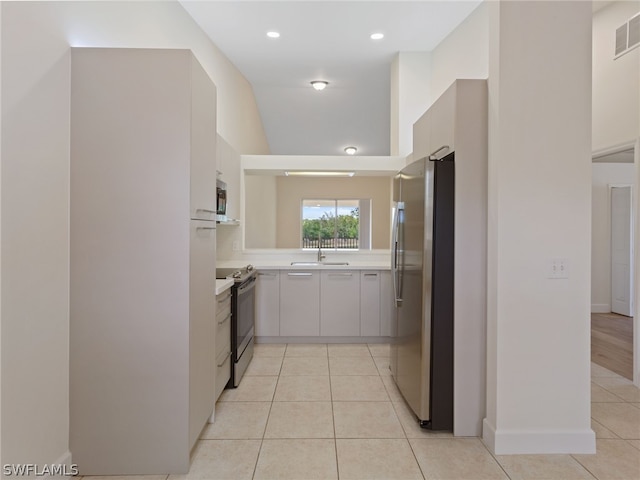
{"x": 320, "y": 255}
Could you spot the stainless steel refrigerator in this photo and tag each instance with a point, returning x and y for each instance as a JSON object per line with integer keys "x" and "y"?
{"x": 422, "y": 268}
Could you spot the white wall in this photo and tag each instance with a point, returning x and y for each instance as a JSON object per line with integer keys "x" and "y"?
{"x": 538, "y": 374}
{"x": 292, "y": 190}
{"x": 410, "y": 97}
{"x": 35, "y": 191}
{"x": 419, "y": 78}
{"x": 261, "y": 197}
{"x": 1, "y": 455}
{"x": 604, "y": 174}
{"x": 35, "y": 238}
{"x": 616, "y": 83}
{"x": 464, "y": 53}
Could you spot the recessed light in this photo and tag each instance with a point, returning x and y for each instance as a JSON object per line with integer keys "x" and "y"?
{"x": 377, "y": 36}
{"x": 319, "y": 84}
{"x": 273, "y": 34}
{"x": 350, "y": 150}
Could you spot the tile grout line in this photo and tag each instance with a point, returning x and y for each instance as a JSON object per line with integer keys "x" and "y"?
{"x": 333, "y": 418}
{"x": 494, "y": 457}
{"x": 584, "y": 466}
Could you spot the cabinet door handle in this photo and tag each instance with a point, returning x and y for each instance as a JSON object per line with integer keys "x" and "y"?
{"x": 205, "y": 210}
{"x": 225, "y": 319}
{"x": 205, "y": 228}
{"x": 370, "y": 274}
{"x": 225, "y": 359}
{"x": 264, "y": 274}
{"x": 299, "y": 274}
{"x": 347, "y": 274}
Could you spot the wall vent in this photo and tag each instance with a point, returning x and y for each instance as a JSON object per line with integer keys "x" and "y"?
{"x": 627, "y": 36}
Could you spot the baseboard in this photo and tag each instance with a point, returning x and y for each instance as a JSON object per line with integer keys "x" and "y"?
{"x": 600, "y": 308}
{"x": 512, "y": 442}
{"x": 69, "y": 469}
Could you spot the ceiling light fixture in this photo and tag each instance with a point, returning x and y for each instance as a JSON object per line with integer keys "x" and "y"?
{"x": 350, "y": 150}
{"x": 273, "y": 34}
{"x": 319, "y": 173}
{"x": 319, "y": 84}
{"x": 377, "y": 36}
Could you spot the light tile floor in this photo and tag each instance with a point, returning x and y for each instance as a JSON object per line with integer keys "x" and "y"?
{"x": 326, "y": 412}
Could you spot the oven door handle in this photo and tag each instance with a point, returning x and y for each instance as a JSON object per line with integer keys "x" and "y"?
{"x": 244, "y": 289}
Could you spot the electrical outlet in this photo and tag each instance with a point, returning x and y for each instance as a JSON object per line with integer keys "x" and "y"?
{"x": 558, "y": 268}
{"x": 236, "y": 245}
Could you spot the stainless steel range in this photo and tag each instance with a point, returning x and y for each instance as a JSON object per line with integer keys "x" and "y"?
{"x": 242, "y": 318}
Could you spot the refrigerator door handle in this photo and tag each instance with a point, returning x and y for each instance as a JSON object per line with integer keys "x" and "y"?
{"x": 394, "y": 265}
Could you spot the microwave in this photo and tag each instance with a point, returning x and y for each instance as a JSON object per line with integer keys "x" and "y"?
{"x": 221, "y": 201}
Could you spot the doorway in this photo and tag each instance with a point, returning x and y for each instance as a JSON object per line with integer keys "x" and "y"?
{"x": 615, "y": 269}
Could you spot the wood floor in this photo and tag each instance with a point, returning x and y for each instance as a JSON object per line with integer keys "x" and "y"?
{"x": 612, "y": 342}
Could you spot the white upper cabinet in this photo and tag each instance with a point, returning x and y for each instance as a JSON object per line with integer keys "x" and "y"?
{"x": 203, "y": 144}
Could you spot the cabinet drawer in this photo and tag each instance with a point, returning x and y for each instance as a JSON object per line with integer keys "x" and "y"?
{"x": 223, "y": 371}
{"x": 223, "y": 333}
{"x": 223, "y": 304}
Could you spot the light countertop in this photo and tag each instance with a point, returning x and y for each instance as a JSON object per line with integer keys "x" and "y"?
{"x": 222, "y": 285}
{"x": 275, "y": 265}
{"x": 286, "y": 265}
{"x": 280, "y": 259}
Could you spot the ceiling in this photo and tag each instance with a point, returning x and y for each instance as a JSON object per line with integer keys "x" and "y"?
{"x": 324, "y": 40}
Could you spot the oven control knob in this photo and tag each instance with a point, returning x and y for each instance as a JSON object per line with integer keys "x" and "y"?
{"x": 237, "y": 274}
{"x": 250, "y": 268}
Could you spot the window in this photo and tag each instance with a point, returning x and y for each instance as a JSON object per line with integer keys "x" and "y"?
{"x": 336, "y": 223}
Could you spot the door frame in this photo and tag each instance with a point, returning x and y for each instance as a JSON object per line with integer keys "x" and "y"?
{"x": 636, "y": 267}
{"x": 632, "y": 221}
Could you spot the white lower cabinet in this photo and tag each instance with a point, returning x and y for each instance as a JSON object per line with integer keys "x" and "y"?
{"x": 268, "y": 304}
{"x": 326, "y": 303}
{"x": 386, "y": 303}
{"x": 223, "y": 371}
{"x": 369, "y": 303}
{"x": 299, "y": 303}
{"x": 223, "y": 341}
{"x": 340, "y": 303}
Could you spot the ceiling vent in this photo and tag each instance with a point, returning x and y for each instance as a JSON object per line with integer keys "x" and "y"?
{"x": 628, "y": 36}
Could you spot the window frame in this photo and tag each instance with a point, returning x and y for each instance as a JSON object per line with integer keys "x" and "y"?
{"x": 335, "y": 225}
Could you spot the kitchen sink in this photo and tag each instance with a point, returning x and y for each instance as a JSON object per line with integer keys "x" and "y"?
{"x": 317, "y": 264}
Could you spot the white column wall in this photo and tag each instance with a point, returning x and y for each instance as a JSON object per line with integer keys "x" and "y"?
{"x": 538, "y": 376}
{"x": 35, "y": 240}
